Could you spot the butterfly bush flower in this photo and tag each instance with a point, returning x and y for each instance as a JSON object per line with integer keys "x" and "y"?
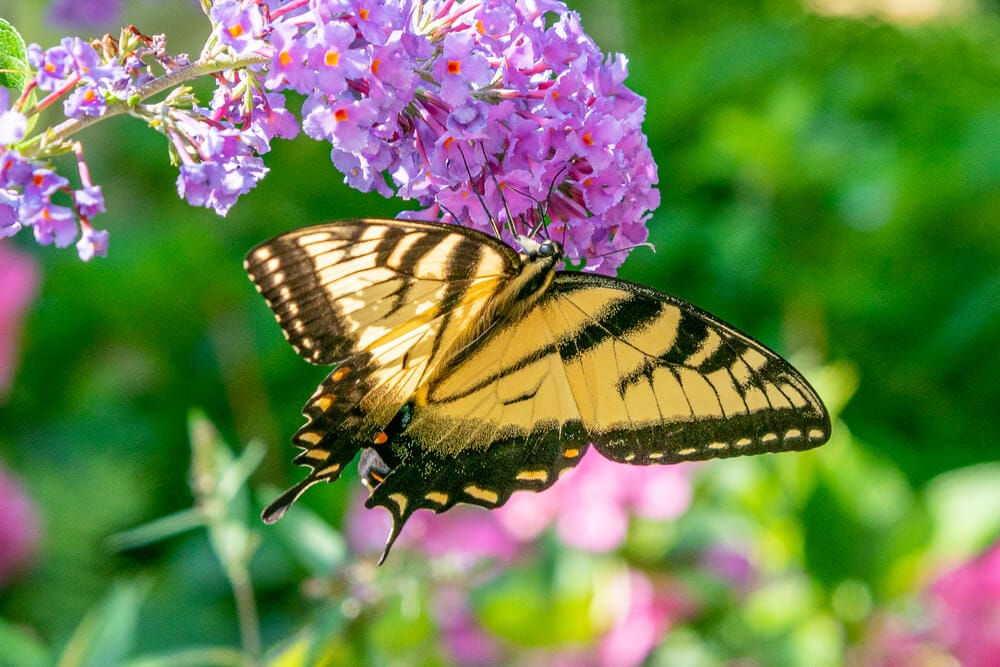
{"x": 84, "y": 13}
{"x": 496, "y": 108}
{"x": 449, "y": 102}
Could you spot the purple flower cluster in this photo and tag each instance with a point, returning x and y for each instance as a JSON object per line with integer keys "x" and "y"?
{"x": 481, "y": 109}
{"x": 471, "y": 108}
{"x": 27, "y": 188}
{"x": 85, "y": 13}
{"x": 74, "y": 65}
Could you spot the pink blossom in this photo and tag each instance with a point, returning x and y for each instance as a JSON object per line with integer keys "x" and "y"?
{"x": 18, "y": 286}
{"x": 967, "y": 602}
{"x": 590, "y": 506}
{"x": 646, "y": 613}
{"x": 19, "y": 529}
{"x": 466, "y": 532}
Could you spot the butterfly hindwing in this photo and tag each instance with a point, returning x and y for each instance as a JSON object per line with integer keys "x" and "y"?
{"x": 426, "y": 478}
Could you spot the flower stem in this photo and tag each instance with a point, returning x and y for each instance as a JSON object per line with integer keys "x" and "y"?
{"x": 56, "y": 136}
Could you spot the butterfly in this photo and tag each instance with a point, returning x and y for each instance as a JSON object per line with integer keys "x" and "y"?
{"x": 464, "y": 370}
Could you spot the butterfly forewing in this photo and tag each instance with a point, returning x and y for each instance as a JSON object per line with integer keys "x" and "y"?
{"x": 383, "y": 300}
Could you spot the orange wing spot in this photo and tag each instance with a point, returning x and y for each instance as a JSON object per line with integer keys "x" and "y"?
{"x": 381, "y": 438}
{"x": 339, "y": 374}
{"x": 571, "y": 453}
{"x": 324, "y": 402}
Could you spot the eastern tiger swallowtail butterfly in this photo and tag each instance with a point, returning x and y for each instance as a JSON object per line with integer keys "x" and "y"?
{"x": 464, "y": 370}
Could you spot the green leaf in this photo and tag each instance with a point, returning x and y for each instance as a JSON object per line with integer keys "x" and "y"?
{"x": 20, "y": 649}
{"x": 314, "y": 542}
{"x": 157, "y": 530}
{"x": 962, "y": 504}
{"x": 211, "y": 656}
{"x": 107, "y": 633}
{"x": 13, "y": 57}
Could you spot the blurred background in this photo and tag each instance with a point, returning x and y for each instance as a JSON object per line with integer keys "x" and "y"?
{"x": 830, "y": 177}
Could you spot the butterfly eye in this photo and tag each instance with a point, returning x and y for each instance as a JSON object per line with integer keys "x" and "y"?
{"x": 546, "y": 249}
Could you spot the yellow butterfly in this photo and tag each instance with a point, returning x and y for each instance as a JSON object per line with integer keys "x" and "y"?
{"x": 465, "y": 370}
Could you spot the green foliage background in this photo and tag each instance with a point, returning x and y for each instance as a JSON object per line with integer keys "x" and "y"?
{"x": 830, "y": 184}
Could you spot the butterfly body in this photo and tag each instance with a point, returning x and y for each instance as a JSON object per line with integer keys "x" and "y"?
{"x": 465, "y": 370}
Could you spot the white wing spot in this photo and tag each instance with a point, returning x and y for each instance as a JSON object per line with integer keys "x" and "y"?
{"x": 718, "y": 445}
{"x": 769, "y": 437}
{"x": 629, "y": 458}
{"x": 793, "y": 433}
{"x": 687, "y": 452}
{"x": 816, "y": 434}
{"x": 262, "y": 254}
{"x": 655, "y": 455}
{"x": 743, "y": 442}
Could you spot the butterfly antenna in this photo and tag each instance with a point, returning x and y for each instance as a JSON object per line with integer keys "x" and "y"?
{"x": 615, "y": 251}
{"x": 543, "y": 206}
{"x": 496, "y": 184}
{"x": 482, "y": 202}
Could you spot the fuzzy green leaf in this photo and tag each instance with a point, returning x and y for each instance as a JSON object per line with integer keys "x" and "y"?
{"x": 13, "y": 57}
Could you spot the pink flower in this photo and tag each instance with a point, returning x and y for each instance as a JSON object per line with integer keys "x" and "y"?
{"x": 18, "y": 286}
{"x": 19, "y": 529}
{"x": 590, "y": 506}
{"x": 466, "y": 532}
{"x": 646, "y": 613}
{"x": 967, "y": 601}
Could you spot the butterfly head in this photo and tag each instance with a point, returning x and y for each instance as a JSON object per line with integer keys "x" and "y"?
{"x": 545, "y": 250}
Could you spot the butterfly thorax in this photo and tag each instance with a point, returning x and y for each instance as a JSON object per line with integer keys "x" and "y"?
{"x": 538, "y": 267}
